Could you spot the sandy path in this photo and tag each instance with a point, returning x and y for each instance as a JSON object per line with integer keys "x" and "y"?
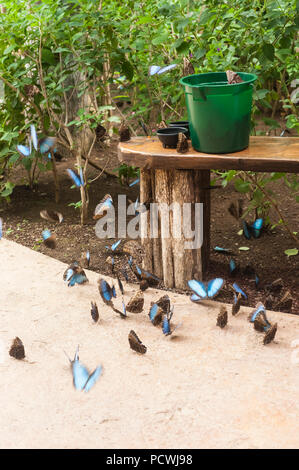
{"x": 205, "y": 387}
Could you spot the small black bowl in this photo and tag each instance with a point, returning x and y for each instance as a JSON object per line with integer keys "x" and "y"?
{"x": 169, "y": 136}
{"x": 181, "y": 124}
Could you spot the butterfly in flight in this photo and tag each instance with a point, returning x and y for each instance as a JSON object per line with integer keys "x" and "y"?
{"x": 78, "y": 179}
{"x": 113, "y": 246}
{"x": 82, "y": 379}
{"x": 239, "y": 290}
{"x": 49, "y": 239}
{"x": 157, "y": 70}
{"x": 135, "y": 343}
{"x": 52, "y": 216}
{"x": 44, "y": 145}
{"x": 205, "y": 290}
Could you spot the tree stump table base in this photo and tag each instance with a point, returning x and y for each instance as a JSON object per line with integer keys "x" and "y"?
{"x": 171, "y": 182}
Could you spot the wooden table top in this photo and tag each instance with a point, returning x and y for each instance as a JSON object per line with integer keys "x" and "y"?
{"x": 263, "y": 154}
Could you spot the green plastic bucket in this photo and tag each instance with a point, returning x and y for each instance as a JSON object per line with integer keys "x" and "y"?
{"x": 218, "y": 113}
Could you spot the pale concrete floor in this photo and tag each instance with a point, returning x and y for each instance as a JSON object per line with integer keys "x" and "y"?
{"x": 204, "y": 388}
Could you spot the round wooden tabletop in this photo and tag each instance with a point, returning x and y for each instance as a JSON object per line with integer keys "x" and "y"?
{"x": 263, "y": 154}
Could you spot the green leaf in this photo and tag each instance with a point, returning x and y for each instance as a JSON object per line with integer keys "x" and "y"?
{"x": 268, "y": 51}
{"x": 244, "y": 248}
{"x": 48, "y": 57}
{"x": 242, "y": 186}
{"x": 291, "y": 252}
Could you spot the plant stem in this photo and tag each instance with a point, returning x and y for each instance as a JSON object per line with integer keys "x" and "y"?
{"x": 275, "y": 206}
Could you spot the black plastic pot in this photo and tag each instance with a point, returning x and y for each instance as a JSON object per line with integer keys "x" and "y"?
{"x": 169, "y": 136}
{"x": 181, "y": 124}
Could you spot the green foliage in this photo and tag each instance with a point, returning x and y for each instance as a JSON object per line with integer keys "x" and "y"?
{"x": 57, "y": 49}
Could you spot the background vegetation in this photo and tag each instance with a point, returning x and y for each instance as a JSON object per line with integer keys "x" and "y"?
{"x": 65, "y": 64}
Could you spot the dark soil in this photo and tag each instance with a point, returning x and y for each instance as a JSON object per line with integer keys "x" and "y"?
{"x": 23, "y": 224}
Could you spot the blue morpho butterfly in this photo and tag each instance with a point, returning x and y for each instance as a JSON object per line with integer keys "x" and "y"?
{"x": 45, "y": 144}
{"x": 104, "y": 205}
{"x": 205, "y": 290}
{"x": 155, "y": 314}
{"x": 239, "y": 290}
{"x": 1, "y": 228}
{"x": 260, "y": 308}
{"x": 113, "y": 246}
{"x": 123, "y": 314}
{"x": 78, "y": 179}
{"x": 225, "y": 251}
{"x": 254, "y": 229}
{"x": 75, "y": 275}
{"x": 166, "y": 326}
{"x": 120, "y": 284}
{"x": 106, "y": 291}
{"x": 232, "y": 266}
{"x": 49, "y": 239}
{"x": 134, "y": 182}
{"x": 156, "y": 69}
{"x": 145, "y": 275}
{"x": 82, "y": 379}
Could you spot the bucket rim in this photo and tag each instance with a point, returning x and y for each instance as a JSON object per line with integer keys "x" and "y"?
{"x": 251, "y": 78}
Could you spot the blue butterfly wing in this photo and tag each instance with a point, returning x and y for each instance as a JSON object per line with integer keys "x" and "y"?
{"x": 260, "y": 308}
{"x": 134, "y": 182}
{"x": 74, "y": 177}
{"x": 69, "y": 274}
{"x": 115, "y": 245}
{"x": 80, "y": 375}
{"x": 195, "y": 298}
{"x": 239, "y": 290}
{"x": 24, "y": 150}
{"x": 46, "y": 234}
{"x": 232, "y": 265}
{"x": 166, "y": 326}
{"x": 81, "y": 176}
{"x": 166, "y": 69}
{"x": 153, "y": 312}
{"x": 34, "y": 136}
{"x": 113, "y": 291}
{"x": 46, "y": 144}
{"x": 88, "y": 256}
{"x": 198, "y": 287}
{"x": 256, "y": 228}
{"x": 246, "y": 230}
{"x": 154, "y": 69}
{"x": 106, "y": 290}
{"x": 219, "y": 249}
{"x": 93, "y": 378}
{"x": 78, "y": 278}
{"x": 214, "y": 287}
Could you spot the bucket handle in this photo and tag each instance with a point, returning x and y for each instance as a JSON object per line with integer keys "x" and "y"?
{"x": 199, "y": 94}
